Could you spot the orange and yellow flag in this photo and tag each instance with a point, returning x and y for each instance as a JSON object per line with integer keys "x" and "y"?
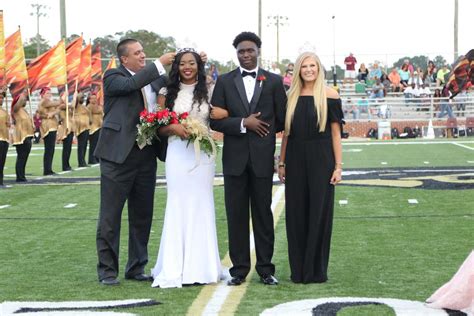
{"x": 85, "y": 69}
{"x": 49, "y": 69}
{"x": 73, "y": 60}
{"x": 96, "y": 66}
{"x": 15, "y": 65}
{"x": 97, "y": 73}
{"x": 111, "y": 64}
{"x": 2, "y": 51}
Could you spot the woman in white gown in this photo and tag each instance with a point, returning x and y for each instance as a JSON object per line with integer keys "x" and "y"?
{"x": 188, "y": 251}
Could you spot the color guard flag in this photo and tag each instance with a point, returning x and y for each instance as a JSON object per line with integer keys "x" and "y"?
{"x": 111, "y": 64}
{"x": 73, "y": 60}
{"x": 15, "y": 64}
{"x": 97, "y": 73}
{"x": 2, "y": 51}
{"x": 49, "y": 69}
{"x": 462, "y": 74}
{"x": 85, "y": 69}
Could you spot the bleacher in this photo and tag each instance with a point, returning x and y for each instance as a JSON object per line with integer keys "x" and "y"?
{"x": 396, "y": 106}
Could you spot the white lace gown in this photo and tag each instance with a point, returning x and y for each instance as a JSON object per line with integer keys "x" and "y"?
{"x": 188, "y": 251}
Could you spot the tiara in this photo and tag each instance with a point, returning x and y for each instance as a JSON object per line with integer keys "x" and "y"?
{"x": 186, "y": 50}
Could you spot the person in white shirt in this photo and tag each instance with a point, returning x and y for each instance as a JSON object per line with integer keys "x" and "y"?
{"x": 275, "y": 70}
{"x": 410, "y": 93}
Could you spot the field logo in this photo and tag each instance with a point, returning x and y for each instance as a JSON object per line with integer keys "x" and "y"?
{"x": 330, "y": 306}
{"x": 76, "y": 308}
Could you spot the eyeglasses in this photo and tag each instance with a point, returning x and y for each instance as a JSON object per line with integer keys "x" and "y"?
{"x": 186, "y": 50}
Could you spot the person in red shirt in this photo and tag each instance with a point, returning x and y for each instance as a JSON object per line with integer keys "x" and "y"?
{"x": 350, "y": 73}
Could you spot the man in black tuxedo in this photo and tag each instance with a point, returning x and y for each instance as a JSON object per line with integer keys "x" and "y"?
{"x": 255, "y": 100}
{"x": 128, "y": 173}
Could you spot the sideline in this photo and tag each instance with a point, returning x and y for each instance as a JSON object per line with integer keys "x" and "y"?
{"x": 464, "y": 146}
{"x": 220, "y": 298}
{"x": 370, "y": 143}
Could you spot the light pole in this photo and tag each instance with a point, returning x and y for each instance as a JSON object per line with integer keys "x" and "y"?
{"x": 456, "y": 10}
{"x": 62, "y": 14}
{"x": 278, "y": 21}
{"x": 334, "y": 71}
{"x": 37, "y": 11}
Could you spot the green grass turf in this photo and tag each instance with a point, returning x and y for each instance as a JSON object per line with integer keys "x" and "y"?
{"x": 34, "y": 167}
{"x": 381, "y": 246}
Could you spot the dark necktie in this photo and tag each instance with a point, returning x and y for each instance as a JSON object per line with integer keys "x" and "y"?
{"x": 247, "y": 73}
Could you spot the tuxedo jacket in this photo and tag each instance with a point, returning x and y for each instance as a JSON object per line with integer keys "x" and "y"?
{"x": 123, "y": 102}
{"x": 269, "y": 98}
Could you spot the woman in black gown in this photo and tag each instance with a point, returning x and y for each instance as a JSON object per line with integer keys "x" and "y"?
{"x": 310, "y": 165}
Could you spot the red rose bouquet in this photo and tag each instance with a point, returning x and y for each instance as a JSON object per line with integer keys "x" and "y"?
{"x": 150, "y": 122}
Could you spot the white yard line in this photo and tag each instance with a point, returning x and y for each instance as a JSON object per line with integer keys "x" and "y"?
{"x": 464, "y": 146}
{"x": 222, "y": 291}
{"x": 405, "y": 143}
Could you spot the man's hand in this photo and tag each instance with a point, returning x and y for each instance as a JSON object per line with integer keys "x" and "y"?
{"x": 218, "y": 113}
{"x": 203, "y": 57}
{"x": 167, "y": 59}
{"x": 254, "y": 124}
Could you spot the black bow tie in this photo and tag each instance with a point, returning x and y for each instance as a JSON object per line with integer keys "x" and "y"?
{"x": 247, "y": 73}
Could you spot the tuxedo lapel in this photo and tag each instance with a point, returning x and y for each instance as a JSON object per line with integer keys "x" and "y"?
{"x": 257, "y": 91}
{"x": 239, "y": 84}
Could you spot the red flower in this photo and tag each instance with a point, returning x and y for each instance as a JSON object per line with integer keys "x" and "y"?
{"x": 150, "y": 118}
{"x": 183, "y": 116}
{"x": 143, "y": 113}
{"x": 174, "y": 120}
{"x": 261, "y": 78}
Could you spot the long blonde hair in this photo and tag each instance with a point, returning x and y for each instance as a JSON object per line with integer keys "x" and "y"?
{"x": 319, "y": 93}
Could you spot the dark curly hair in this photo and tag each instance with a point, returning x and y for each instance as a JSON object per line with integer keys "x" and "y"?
{"x": 247, "y": 36}
{"x": 200, "y": 91}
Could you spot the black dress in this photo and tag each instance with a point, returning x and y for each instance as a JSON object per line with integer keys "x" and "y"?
{"x": 309, "y": 195}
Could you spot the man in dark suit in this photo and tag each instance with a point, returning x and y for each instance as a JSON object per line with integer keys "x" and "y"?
{"x": 128, "y": 173}
{"x": 255, "y": 100}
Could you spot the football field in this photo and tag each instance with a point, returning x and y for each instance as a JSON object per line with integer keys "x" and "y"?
{"x": 403, "y": 224}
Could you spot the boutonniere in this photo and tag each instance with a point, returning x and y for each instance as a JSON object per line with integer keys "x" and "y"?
{"x": 261, "y": 79}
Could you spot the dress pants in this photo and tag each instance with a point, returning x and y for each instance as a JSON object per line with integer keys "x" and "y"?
{"x": 22, "y": 153}
{"x": 93, "y": 139}
{"x": 132, "y": 181}
{"x": 82, "y": 147}
{"x": 67, "y": 144}
{"x": 3, "y": 157}
{"x": 49, "y": 145}
{"x": 239, "y": 191}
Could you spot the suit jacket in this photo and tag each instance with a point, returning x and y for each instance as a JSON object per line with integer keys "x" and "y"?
{"x": 269, "y": 98}
{"x": 123, "y": 102}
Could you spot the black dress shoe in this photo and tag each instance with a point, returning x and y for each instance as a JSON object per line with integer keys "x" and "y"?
{"x": 236, "y": 281}
{"x": 67, "y": 168}
{"x": 21, "y": 180}
{"x": 109, "y": 281}
{"x": 49, "y": 173}
{"x": 269, "y": 280}
{"x": 140, "y": 277}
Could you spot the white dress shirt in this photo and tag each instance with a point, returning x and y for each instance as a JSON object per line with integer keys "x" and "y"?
{"x": 249, "y": 84}
{"x": 150, "y": 95}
